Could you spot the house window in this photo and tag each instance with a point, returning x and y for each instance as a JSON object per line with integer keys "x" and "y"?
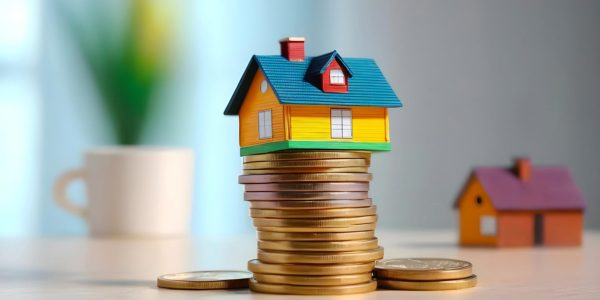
{"x": 341, "y": 123}
{"x": 487, "y": 225}
{"x": 264, "y": 86}
{"x": 265, "y": 130}
{"x": 336, "y": 77}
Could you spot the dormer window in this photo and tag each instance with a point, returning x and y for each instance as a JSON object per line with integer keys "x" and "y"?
{"x": 336, "y": 77}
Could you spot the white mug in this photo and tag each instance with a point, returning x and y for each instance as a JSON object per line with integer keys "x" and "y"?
{"x": 133, "y": 191}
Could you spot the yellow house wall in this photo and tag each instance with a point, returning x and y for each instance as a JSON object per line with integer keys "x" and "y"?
{"x": 470, "y": 213}
{"x": 254, "y": 102}
{"x": 313, "y": 123}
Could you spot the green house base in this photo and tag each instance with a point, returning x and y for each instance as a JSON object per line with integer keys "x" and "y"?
{"x": 314, "y": 145}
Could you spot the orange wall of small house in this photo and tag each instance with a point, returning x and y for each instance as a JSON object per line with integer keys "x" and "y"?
{"x": 254, "y": 102}
{"x": 470, "y": 213}
{"x": 562, "y": 228}
{"x": 313, "y": 123}
{"x": 515, "y": 229}
{"x": 334, "y": 88}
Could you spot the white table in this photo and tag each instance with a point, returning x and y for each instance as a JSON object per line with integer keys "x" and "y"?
{"x": 80, "y": 268}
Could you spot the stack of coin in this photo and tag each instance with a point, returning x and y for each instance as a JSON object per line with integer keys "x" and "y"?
{"x": 315, "y": 222}
{"x": 424, "y": 274}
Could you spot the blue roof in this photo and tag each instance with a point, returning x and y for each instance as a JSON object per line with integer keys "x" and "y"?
{"x": 366, "y": 87}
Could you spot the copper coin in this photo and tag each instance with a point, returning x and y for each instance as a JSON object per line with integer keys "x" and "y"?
{"x": 329, "y": 222}
{"x": 315, "y": 236}
{"x": 302, "y": 155}
{"x": 317, "y": 204}
{"x": 281, "y": 257}
{"x": 250, "y": 196}
{"x": 349, "y": 228}
{"x": 308, "y": 177}
{"x": 309, "y": 186}
{"x": 258, "y": 266}
{"x": 317, "y": 280}
{"x": 317, "y": 163}
{"x": 307, "y": 170}
{"x": 312, "y": 290}
{"x": 313, "y": 213}
{"x": 322, "y": 246}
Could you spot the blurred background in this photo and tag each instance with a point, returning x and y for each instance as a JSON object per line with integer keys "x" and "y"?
{"x": 481, "y": 81}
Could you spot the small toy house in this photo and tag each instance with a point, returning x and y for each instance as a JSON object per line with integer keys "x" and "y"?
{"x": 522, "y": 206}
{"x": 290, "y": 101}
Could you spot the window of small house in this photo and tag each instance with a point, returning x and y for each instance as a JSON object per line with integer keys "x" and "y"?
{"x": 336, "y": 76}
{"x": 265, "y": 126}
{"x": 341, "y": 123}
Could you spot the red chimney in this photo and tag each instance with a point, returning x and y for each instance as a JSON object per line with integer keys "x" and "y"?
{"x": 523, "y": 168}
{"x": 292, "y": 48}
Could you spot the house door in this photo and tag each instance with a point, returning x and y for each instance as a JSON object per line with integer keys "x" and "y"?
{"x": 538, "y": 229}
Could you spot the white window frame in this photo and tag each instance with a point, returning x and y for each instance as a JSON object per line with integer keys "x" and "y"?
{"x": 265, "y": 124}
{"x": 341, "y": 123}
{"x": 337, "y": 77}
{"x": 487, "y": 226}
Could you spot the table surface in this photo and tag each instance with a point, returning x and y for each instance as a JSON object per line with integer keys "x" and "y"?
{"x": 77, "y": 268}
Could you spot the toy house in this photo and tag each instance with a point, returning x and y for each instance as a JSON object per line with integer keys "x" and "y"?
{"x": 521, "y": 206}
{"x": 291, "y": 101}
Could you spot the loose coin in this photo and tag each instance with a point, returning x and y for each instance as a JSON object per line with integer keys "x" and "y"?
{"x": 323, "y": 246}
{"x": 423, "y": 269}
{"x": 307, "y": 170}
{"x": 249, "y": 196}
{"x": 317, "y": 204}
{"x": 313, "y": 213}
{"x": 312, "y": 290}
{"x": 257, "y": 266}
{"x": 330, "y": 222}
{"x": 302, "y": 155}
{"x": 317, "y": 163}
{"x": 309, "y": 177}
{"x": 205, "y": 280}
{"x": 279, "y": 257}
{"x": 453, "y": 284}
{"x": 330, "y": 280}
{"x": 349, "y": 228}
{"x": 315, "y": 236}
{"x": 309, "y": 186}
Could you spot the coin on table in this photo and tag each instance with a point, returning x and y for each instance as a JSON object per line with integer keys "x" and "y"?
{"x": 349, "y": 228}
{"x": 315, "y": 236}
{"x": 315, "y": 280}
{"x": 306, "y": 177}
{"x": 258, "y": 266}
{"x": 281, "y": 257}
{"x": 283, "y": 196}
{"x": 307, "y": 170}
{"x": 423, "y": 269}
{"x": 302, "y": 155}
{"x": 312, "y": 290}
{"x": 324, "y": 246}
{"x": 313, "y": 163}
{"x": 329, "y": 222}
{"x": 310, "y": 204}
{"x": 308, "y": 186}
{"x": 313, "y": 213}
{"x": 452, "y": 284}
{"x": 205, "y": 280}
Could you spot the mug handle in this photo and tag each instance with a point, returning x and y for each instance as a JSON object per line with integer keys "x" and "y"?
{"x": 60, "y": 193}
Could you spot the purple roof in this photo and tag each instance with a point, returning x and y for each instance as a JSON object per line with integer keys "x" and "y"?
{"x": 549, "y": 188}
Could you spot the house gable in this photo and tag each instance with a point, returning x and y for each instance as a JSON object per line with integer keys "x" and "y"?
{"x": 476, "y": 210}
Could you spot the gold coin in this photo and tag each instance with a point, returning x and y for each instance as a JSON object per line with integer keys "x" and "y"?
{"x": 349, "y": 228}
{"x": 313, "y": 213}
{"x": 307, "y": 170}
{"x": 257, "y": 266}
{"x": 249, "y": 196}
{"x": 323, "y": 246}
{"x": 317, "y": 204}
{"x": 329, "y": 280}
{"x": 312, "y": 290}
{"x": 315, "y": 236}
{"x": 453, "y": 284}
{"x": 330, "y": 222}
{"x": 310, "y": 177}
{"x": 317, "y": 163}
{"x": 302, "y": 155}
{"x": 309, "y": 186}
{"x": 279, "y": 257}
{"x": 423, "y": 269}
{"x": 205, "y": 280}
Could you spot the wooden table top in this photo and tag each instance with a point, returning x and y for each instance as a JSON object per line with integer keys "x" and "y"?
{"x": 83, "y": 268}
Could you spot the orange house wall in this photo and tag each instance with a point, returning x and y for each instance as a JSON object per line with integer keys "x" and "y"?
{"x": 563, "y": 228}
{"x": 254, "y": 102}
{"x": 470, "y": 213}
{"x": 515, "y": 229}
